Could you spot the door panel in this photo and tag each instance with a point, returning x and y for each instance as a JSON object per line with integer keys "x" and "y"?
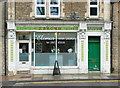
{"x": 24, "y": 56}
{"x": 94, "y": 55}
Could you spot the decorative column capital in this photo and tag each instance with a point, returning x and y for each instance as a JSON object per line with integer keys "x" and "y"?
{"x": 82, "y": 30}
{"x": 83, "y": 25}
{"x": 107, "y": 26}
{"x": 11, "y": 30}
{"x": 11, "y": 25}
{"x": 107, "y": 29}
{"x": 11, "y": 34}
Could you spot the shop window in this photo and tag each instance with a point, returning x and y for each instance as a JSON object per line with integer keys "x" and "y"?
{"x": 40, "y": 8}
{"x": 44, "y": 49}
{"x": 93, "y": 8}
{"x": 49, "y": 47}
{"x": 66, "y": 46}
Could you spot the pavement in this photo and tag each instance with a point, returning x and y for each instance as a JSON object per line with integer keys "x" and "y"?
{"x": 91, "y": 80}
{"x": 49, "y": 77}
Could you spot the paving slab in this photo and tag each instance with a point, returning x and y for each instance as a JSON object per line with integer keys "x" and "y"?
{"x": 30, "y": 77}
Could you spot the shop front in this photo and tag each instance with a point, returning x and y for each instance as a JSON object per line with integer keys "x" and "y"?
{"x": 81, "y": 48}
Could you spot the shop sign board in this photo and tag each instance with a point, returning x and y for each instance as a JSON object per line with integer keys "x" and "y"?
{"x": 95, "y": 28}
{"x": 47, "y": 28}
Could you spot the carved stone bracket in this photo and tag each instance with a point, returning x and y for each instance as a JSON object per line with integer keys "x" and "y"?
{"x": 82, "y": 33}
{"x": 11, "y": 30}
{"x": 107, "y": 29}
{"x": 11, "y": 34}
{"x": 107, "y": 34}
{"x": 82, "y": 30}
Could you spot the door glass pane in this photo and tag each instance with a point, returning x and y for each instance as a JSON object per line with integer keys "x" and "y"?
{"x": 23, "y": 51}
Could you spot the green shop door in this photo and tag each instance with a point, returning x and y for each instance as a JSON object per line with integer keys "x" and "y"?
{"x": 93, "y": 53}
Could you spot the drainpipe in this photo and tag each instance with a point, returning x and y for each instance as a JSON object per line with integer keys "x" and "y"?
{"x": 5, "y": 32}
{"x": 112, "y": 6}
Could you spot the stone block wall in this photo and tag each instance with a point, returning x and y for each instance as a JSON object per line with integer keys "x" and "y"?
{"x": 2, "y": 38}
{"x": 115, "y": 38}
{"x": 26, "y": 10}
{"x": 119, "y": 37}
{"x": 75, "y": 7}
{"x": 23, "y": 10}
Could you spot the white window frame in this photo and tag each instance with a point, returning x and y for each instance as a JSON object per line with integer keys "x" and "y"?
{"x": 40, "y": 5}
{"x": 94, "y": 6}
{"x": 58, "y": 5}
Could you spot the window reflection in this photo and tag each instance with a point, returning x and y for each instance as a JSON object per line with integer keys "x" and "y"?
{"x": 40, "y": 2}
{"x": 54, "y": 10}
{"x": 40, "y": 10}
{"x": 54, "y": 2}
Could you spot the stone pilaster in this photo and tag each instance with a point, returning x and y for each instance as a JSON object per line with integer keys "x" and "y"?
{"x": 11, "y": 9}
{"x": 83, "y": 66}
{"x": 1, "y": 40}
{"x": 11, "y": 48}
{"x": 106, "y": 67}
{"x": 107, "y": 10}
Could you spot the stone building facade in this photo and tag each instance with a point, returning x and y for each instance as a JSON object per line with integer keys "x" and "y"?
{"x": 74, "y": 33}
{"x": 2, "y": 38}
{"x": 119, "y": 38}
{"x": 116, "y": 37}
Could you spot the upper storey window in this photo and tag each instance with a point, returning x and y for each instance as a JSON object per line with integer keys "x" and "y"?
{"x": 93, "y": 8}
{"x": 54, "y": 8}
{"x": 41, "y": 8}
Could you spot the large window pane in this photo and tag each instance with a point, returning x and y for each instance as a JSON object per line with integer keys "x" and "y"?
{"x": 67, "y": 49}
{"x": 47, "y": 47}
{"x": 44, "y": 49}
